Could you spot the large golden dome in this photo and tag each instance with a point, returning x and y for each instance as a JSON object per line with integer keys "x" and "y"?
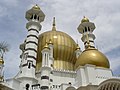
{"x": 64, "y": 49}
{"x": 94, "y": 57}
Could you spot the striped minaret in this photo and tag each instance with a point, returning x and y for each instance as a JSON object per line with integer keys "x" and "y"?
{"x": 86, "y": 28}
{"x": 28, "y": 64}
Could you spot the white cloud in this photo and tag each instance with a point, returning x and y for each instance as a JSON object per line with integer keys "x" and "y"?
{"x": 9, "y": 3}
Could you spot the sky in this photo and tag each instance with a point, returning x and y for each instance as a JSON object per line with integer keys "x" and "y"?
{"x": 105, "y": 14}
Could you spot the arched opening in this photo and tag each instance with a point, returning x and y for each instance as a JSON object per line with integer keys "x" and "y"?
{"x": 35, "y": 17}
{"x": 110, "y": 84}
{"x": 85, "y": 29}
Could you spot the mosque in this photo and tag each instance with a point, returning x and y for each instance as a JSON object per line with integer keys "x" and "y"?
{"x": 54, "y": 61}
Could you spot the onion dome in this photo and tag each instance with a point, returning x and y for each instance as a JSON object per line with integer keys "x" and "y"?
{"x": 1, "y": 61}
{"x": 36, "y": 7}
{"x": 94, "y": 57}
{"x": 85, "y": 19}
{"x": 63, "y": 49}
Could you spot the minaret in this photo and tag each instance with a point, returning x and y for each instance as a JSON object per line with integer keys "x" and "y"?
{"x": 86, "y": 28}
{"x": 1, "y": 69}
{"x": 50, "y": 45}
{"x": 46, "y": 68}
{"x": 45, "y": 56}
{"x": 28, "y": 64}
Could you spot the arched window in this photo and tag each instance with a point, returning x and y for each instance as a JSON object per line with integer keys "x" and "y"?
{"x": 38, "y": 18}
{"x": 88, "y": 29}
{"x": 35, "y": 17}
{"x": 85, "y": 29}
{"x": 27, "y": 86}
{"x": 31, "y": 17}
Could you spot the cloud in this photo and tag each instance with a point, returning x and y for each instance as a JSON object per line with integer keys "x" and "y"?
{"x": 9, "y": 3}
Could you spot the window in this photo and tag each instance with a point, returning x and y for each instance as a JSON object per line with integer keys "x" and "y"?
{"x": 85, "y": 29}
{"x": 88, "y": 29}
{"x": 29, "y": 64}
{"x": 31, "y": 17}
{"x": 35, "y": 17}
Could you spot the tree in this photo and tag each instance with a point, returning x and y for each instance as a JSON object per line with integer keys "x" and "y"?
{"x": 4, "y": 47}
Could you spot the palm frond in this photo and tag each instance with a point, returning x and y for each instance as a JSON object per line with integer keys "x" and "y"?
{"x": 4, "y": 47}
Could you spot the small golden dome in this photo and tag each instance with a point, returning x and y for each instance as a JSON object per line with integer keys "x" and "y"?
{"x": 46, "y": 46}
{"x": 85, "y": 19}
{"x": 1, "y": 61}
{"x": 36, "y": 7}
{"x": 94, "y": 57}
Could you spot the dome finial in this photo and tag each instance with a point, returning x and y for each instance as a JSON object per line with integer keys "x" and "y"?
{"x": 53, "y": 21}
{"x": 54, "y": 28}
{"x": 50, "y": 41}
{"x": 36, "y": 7}
{"x": 85, "y": 19}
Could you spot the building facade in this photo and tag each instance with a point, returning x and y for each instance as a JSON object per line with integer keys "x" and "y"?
{"x": 54, "y": 61}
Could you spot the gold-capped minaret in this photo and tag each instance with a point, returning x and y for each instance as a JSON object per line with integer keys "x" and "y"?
{"x": 90, "y": 55}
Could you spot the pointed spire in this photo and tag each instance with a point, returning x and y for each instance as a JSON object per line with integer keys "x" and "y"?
{"x": 54, "y": 28}
{"x": 78, "y": 47}
{"x": 50, "y": 41}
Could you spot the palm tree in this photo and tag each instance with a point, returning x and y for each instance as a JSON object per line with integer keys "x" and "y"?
{"x": 4, "y": 47}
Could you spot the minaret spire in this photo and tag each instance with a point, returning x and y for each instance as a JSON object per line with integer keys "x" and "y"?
{"x": 28, "y": 58}
{"x": 54, "y": 25}
{"x": 86, "y": 28}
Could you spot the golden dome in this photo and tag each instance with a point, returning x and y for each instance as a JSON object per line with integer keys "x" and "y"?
{"x": 94, "y": 57}
{"x": 85, "y": 19}
{"x": 64, "y": 47}
{"x": 36, "y": 7}
{"x": 1, "y": 61}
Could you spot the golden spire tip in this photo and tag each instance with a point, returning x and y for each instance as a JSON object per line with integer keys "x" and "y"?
{"x": 53, "y": 28}
{"x": 53, "y": 21}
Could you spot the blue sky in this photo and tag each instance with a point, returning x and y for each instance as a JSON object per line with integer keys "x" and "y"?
{"x": 105, "y": 14}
